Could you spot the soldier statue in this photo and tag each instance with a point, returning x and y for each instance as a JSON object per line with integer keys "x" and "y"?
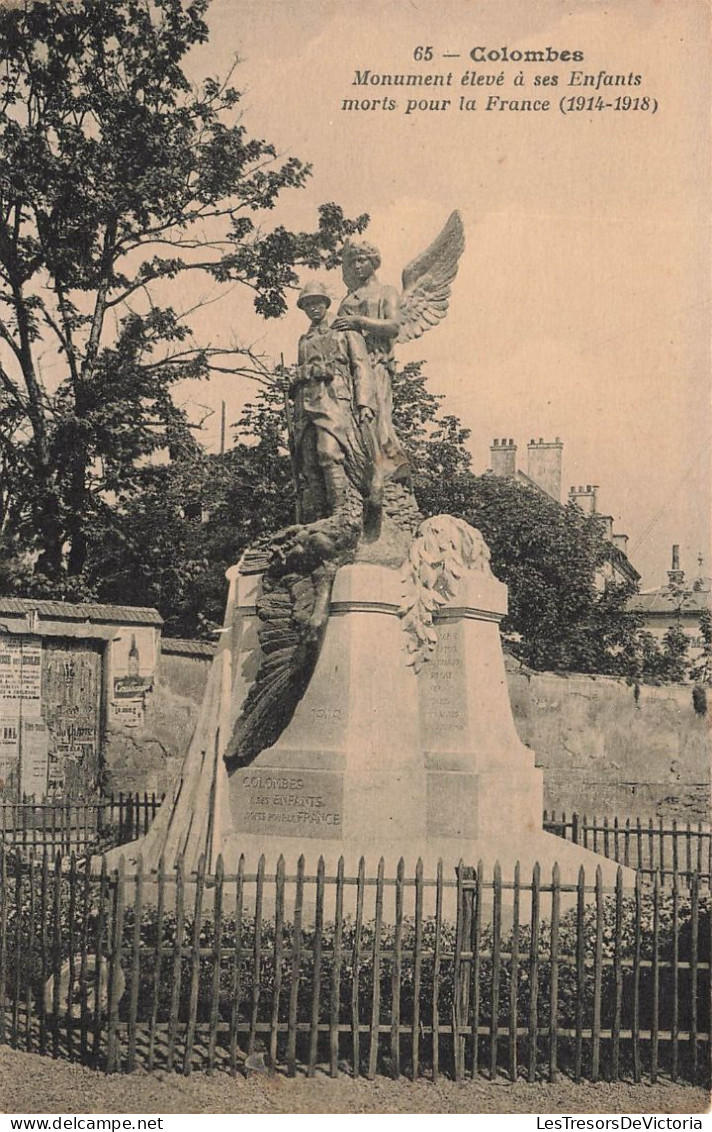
{"x": 334, "y": 405}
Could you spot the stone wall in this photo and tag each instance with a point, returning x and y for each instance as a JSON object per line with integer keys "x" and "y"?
{"x": 148, "y": 756}
{"x": 602, "y": 750}
{"x": 605, "y": 750}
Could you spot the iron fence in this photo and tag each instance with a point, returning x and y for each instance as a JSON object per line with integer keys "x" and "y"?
{"x": 462, "y": 974}
{"x": 650, "y": 845}
{"x": 67, "y": 826}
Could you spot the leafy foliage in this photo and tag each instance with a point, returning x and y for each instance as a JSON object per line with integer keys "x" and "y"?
{"x": 117, "y": 178}
{"x": 551, "y": 557}
{"x": 701, "y": 670}
{"x": 169, "y": 544}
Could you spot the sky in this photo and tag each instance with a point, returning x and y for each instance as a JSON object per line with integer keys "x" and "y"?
{"x": 581, "y": 307}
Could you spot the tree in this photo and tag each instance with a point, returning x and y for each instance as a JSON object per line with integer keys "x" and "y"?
{"x": 435, "y": 443}
{"x": 174, "y": 556}
{"x": 674, "y": 655}
{"x": 701, "y": 668}
{"x": 552, "y": 557}
{"x": 169, "y": 544}
{"x": 117, "y": 177}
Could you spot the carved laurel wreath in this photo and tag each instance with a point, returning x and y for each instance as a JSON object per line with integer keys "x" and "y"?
{"x": 442, "y": 550}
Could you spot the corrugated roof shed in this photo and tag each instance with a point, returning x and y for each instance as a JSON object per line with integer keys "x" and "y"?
{"x": 86, "y": 611}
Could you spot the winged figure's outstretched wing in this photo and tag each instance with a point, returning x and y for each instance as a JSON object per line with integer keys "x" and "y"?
{"x": 298, "y": 565}
{"x": 426, "y": 281}
{"x": 289, "y": 649}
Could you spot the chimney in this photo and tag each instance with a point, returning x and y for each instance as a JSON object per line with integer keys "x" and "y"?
{"x": 503, "y": 455}
{"x": 607, "y": 527}
{"x": 585, "y": 497}
{"x": 544, "y": 465}
{"x": 621, "y": 541}
{"x": 676, "y": 576}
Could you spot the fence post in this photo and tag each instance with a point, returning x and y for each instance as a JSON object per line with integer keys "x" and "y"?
{"x": 534, "y": 976}
{"x": 514, "y": 978}
{"x": 112, "y": 1057}
{"x": 417, "y": 965}
{"x": 397, "y": 969}
{"x": 135, "y": 964}
{"x": 217, "y": 960}
{"x": 99, "y": 966}
{"x": 654, "y": 1037}
{"x": 694, "y": 933}
{"x": 356, "y": 967}
{"x": 18, "y": 952}
{"x": 3, "y": 939}
{"x": 376, "y": 989}
{"x": 597, "y": 979}
{"x": 575, "y": 828}
{"x": 257, "y": 953}
{"x": 554, "y": 961}
{"x": 437, "y": 948}
{"x": 336, "y": 972}
{"x": 618, "y": 975}
{"x": 580, "y": 969}
{"x": 72, "y": 949}
{"x": 177, "y": 962}
{"x": 456, "y": 998}
{"x": 637, "y": 942}
{"x": 296, "y": 970}
{"x": 44, "y": 945}
{"x": 194, "y": 967}
{"x": 237, "y": 960}
{"x": 158, "y": 961}
{"x": 83, "y": 960}
{"x": 496, "y": 949}
{"x": 278, "y": 956}
{"x": 465, "y": 914}
{"x": 675, "y": 1026}
{"x": 316, "y": 977}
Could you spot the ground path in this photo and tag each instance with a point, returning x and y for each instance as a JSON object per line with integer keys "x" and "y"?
{"x": 33, "y": 1084}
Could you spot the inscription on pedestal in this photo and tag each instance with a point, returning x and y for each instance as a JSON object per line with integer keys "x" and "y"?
{"x": 287, "y": 803}
{"x": 442, "y": 693}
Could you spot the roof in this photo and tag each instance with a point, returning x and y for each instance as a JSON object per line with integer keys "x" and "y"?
{"x": 76, "y": 630}
{"x": 529, "y": 482}
{"x": 664, "y": 603}
{"x": 85, "y": 611}
{"x": 623, "y": 562}
{"x": 179, "y": 646}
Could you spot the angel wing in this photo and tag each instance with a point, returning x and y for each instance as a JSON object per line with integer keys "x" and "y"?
{"x": 289, "y": 649}
{"x": 426, "y": 281}
{"x": 298, "y": 565}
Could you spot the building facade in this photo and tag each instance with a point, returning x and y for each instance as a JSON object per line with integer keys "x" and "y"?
{"x": 678, "y": 602}
{"x": 544, "y": 473}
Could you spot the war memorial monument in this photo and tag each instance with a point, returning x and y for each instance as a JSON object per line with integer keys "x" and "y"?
{"x": 357, "y": 705}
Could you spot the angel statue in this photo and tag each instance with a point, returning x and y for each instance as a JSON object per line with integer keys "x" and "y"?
{"x": 351, "y": 465}
{"x": 385, "y": 318}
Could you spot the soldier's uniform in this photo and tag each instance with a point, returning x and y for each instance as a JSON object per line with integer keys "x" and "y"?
{"x": 334, "y": 382}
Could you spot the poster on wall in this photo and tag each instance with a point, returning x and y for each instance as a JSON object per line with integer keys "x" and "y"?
{"x": 128, "y": 712}
{"x": 133, "y": 662}
{"x": 20, "y": 674}
{"x": 9, "y": 749}
{"x": 34, "y": 743}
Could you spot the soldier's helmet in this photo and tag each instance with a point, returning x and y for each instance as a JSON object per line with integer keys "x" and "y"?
{"x": 313, "y": 290}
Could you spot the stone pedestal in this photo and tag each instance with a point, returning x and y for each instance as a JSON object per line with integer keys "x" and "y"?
{"x": 381, "y": 761}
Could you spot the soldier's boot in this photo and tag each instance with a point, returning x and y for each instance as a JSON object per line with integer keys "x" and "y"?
{"x": 336, "y": 485}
